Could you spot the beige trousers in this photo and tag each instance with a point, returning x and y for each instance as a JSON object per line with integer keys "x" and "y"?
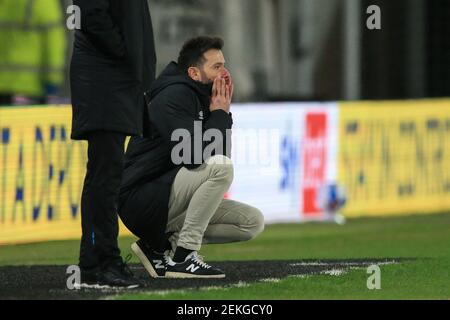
{"x": 198, "y": 212}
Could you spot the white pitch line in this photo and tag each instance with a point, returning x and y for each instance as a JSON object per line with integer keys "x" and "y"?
{"x": 334, "y": 272}
{"x": 273, "y": 280}
{"x": 346, "y": 264}
{"x": 300, "y": 276}
{"x": 243, "y": 284}
{"x": 240, "y": 284}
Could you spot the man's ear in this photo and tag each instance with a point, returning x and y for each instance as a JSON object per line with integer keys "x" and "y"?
{"x": 194, "y": 73}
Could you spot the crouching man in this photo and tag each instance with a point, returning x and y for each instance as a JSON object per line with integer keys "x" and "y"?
{"x": 172, "y": 193}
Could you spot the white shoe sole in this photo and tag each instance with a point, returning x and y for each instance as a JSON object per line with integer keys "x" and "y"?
{"x": 143, "y": 258}
{"x": 182, "y": 275}
{"x": 102, "y": 287}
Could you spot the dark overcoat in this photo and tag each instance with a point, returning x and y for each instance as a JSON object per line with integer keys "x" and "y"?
{"x": 113, "y": 64}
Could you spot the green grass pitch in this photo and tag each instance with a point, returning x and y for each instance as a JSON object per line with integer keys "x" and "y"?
{"x": 423, "y": 239}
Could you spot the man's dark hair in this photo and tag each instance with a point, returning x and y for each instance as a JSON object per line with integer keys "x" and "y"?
{"x": 192, "y": 53}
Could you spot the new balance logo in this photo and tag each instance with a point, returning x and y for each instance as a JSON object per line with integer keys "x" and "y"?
{"x": 159, "y": 264}
{"x": 192, "y": 267}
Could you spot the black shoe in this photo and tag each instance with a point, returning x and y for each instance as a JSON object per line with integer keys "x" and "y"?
{"x": 154, "y": 263}
{"x": 192, "y": 267}
{"x": 114, "y": 276}
{"x": 89, "y": 279}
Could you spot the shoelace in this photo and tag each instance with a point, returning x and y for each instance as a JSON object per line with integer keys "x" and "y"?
{"x": 199, "y": 260}
{"x": 167, "y": 259}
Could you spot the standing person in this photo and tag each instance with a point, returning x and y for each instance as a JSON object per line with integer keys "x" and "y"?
{"x": 174, "y": 205}
{"x": 113, "y": 64}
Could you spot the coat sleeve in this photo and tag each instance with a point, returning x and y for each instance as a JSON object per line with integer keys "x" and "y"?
{"x": 176, "y": 112}
{"x": 97, "y": 23}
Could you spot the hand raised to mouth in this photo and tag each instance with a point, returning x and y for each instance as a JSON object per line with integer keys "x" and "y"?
{"x": 222, "y": 95}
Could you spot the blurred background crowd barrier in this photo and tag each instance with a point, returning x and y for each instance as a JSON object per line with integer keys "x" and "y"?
{"x": 277, "y": 50}
{"x": 320, "y": 99}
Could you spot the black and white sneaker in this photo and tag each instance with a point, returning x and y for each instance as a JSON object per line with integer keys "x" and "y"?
{"x": 192, "y": 267}
{"x": 154, "y": 263}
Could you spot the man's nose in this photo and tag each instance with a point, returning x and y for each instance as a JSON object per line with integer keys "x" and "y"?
{"x": 225, "y": 72}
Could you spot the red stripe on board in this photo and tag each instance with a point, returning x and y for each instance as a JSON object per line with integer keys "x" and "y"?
{"x": 314, "y": 160}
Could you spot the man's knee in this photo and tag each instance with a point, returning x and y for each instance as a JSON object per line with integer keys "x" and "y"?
{"x": 222, "y": 167}
{"x": 255, "y": 224}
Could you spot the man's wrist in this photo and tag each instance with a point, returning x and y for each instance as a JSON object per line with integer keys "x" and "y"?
{"x": 227, "y": 112}
{"x": 223, "y": 109}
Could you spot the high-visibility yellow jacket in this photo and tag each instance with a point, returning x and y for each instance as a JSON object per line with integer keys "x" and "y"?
{"x": 32, "y": 46}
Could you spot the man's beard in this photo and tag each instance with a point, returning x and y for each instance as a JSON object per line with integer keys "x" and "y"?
{"x": 205, "y": 85}
{"x": 210, "y": 85}
{"x": 206, "y": 88}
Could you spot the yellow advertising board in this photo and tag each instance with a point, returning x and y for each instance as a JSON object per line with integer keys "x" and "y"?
{"x": 41, "y": 175}
{"x": 394, "y": 157}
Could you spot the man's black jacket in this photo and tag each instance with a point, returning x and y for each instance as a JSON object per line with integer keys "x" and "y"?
{"x": 113, "y": 64}
{"x": 176, "y": 103}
